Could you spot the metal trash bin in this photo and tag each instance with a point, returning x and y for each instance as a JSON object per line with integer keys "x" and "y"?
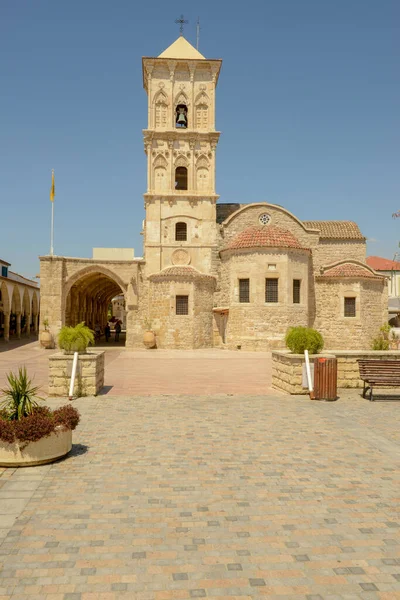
{"x": 325, "y": 378}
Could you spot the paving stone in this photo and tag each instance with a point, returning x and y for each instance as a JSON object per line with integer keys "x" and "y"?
{"x": 284, "y": 498}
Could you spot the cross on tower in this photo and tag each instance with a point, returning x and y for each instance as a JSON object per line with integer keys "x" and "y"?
{"x": 181, "y": 22}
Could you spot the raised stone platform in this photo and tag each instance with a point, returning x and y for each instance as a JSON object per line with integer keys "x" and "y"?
{"x": 287, "y": 368}
{"x": 89, "y": 378}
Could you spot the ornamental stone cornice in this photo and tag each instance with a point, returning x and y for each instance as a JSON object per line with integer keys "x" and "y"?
{"x": 194, "y": 197}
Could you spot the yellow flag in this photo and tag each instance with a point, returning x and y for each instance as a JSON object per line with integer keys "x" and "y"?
{"x": 53, "y": 187}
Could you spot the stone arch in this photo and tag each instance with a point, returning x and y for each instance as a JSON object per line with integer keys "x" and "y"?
{"x": 181, "y": 161}
{"x": 202, "y": 173}
{"x": 160, "y": 174}
{"x": 88, "y": 294}
{"x": 94, "y": 269}
{"x": 5, "y": 298}
{"x": 16, "y": 300}
{"x": 160, "y": 109}
{"x": 202, "y": 104}
{"x": 246, "y": 207}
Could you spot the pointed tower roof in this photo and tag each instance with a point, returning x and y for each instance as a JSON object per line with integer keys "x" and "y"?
{"x": 181, "y": 48}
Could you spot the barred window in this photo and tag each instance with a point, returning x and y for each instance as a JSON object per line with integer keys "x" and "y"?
{"x": 296, "y": 291}
{"x": 271, "y": 290}
{"x": 182, "y": 305}
{"x": 244, "y": 290}
{"x": 181, "y": 232}
{"x": 349, "y": 307}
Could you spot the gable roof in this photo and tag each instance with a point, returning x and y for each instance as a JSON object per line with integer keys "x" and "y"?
{"x": 340, "y": 230}
{"x": 262, "y": 236}
{"x": 383, "y": 264}
{"x": 181, "y": 48}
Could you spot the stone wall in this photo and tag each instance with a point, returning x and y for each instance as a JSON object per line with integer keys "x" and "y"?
{"x": 89, "y": 379}
{"x": 248, "y": 216}
{"x": 329, "y": 251}
{"x": 350, "y": 333}
{"x": 287, "y": 368}
{"x": 258, "y": 325}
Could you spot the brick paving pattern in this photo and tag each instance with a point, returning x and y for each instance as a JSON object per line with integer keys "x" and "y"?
{"x": 220, "y": 497}
{"x": 150, "y": 372}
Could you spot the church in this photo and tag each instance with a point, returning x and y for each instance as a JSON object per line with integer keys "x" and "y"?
{"x": 216, "y": 274}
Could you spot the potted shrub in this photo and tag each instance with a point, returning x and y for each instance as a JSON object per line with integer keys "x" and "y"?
{"x": 75, "y": 339}
{"x": 299, "y": 339}
{"x": 46, "y": 339}
{"x": 31, "y": 434}
{"x": 149, "y": 339}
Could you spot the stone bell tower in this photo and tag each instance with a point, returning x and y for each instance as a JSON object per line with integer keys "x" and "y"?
{"x": 180, "y": 143}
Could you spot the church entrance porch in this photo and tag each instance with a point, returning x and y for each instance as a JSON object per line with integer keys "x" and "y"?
{"x": 89, "y": 300}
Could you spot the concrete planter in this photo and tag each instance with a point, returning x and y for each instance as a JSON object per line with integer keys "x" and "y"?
{"x": 89, "y": 378}
{"x": 287, "y": 368}
{"x": 48, "y": 449}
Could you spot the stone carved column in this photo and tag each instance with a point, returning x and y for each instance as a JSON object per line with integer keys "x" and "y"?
{"x": 6, "y": 327}
{"x": 18, "y": 322}
{"x": 171, "y": 67}
{"x": 171, "y": 165}
{"x": 149, "y": 165}
{"x": 149, "y": 70}
{"x": 28, "y": 325}
{"x": 36, "y": 323}
{"x": 192, "y": 144}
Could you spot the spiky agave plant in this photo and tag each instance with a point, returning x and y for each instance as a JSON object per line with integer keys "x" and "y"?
{"x": 19, "y": 398}
{"x": 75, "y": 339}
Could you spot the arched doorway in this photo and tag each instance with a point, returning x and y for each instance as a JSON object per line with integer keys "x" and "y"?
{"x": 88, "y": 300}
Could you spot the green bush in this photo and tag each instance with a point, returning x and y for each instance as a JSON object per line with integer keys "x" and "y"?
{"x": 381, "y": 342}
{"x": 20, "y": 396}
{"x": 299, "y": 339}
{"x": 75, "y": 339}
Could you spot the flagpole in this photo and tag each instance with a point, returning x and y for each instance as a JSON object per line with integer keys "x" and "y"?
{"x": 52, "y": 194}
{"x": 52, "y": 230}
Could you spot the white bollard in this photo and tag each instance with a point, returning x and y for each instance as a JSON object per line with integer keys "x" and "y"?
{"x": 73, "y": 374}
{"x": 308, "y": 371}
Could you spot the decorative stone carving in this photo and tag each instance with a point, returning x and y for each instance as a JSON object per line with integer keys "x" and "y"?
{"x": 180, "y": 257}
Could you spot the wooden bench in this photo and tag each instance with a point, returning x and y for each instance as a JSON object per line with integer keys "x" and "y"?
{"x": 379, "y": 373}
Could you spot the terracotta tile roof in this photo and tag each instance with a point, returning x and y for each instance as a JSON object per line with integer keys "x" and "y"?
{"x": 264, "y": 236}
{"x": 340, "y": 230}
{"x": 383, "y": 264}
{"x": 180, "y": 271}
{"x": 350, "y": 269}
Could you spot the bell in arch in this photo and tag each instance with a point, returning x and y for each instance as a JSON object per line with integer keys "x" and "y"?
{"x": 181, "y": 120}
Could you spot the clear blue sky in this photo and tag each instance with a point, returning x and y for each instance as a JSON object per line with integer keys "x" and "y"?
{"x": 307, "y": 102}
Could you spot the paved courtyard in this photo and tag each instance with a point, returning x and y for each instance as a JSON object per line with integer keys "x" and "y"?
{"x": 181, "y": 497}
{"x": 147, "y": 372}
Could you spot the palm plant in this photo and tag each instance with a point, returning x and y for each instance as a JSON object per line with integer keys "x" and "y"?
{"x": 75, "y": 339}
{"x": 19, "y": 396}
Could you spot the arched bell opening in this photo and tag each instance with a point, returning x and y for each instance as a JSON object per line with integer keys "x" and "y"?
{"x": 181, "y": 116}
{"x": 89, "y": 300}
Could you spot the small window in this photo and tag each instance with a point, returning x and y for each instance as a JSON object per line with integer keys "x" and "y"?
{"x": 349, "y": 307}
{"x": 296, "y": 291}
{"x": 181, "y": 178}
{"x": 182, "y": 305}
{"x": 244, "y": 290}
{"x": 271, "y": 290}
{"x": 4, "y": 271}
{"x": 181, "y": 232}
